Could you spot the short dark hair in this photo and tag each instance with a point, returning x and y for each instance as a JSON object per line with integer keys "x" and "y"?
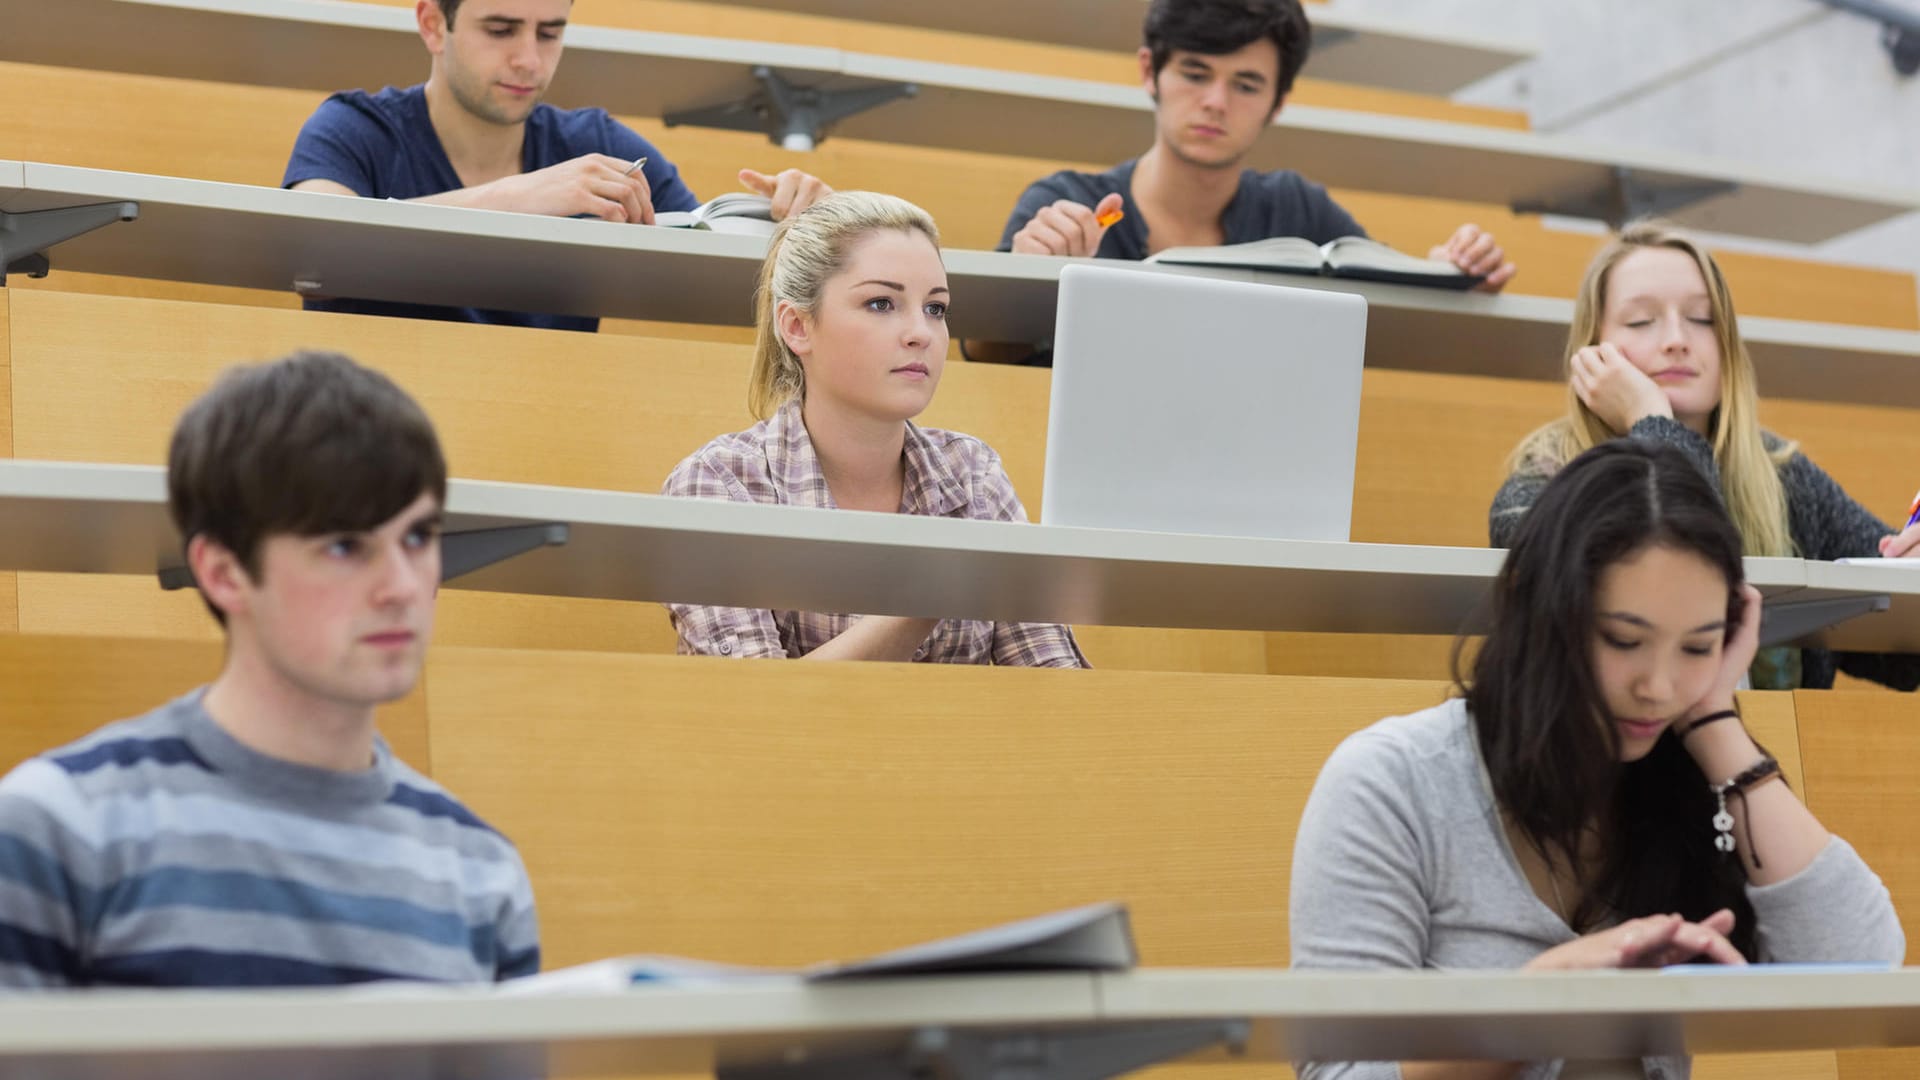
{"x": 1217, "y": 27}
{"x": 1550, "y": 747}
{"x": 447, "y": 8}
{"x": 308, "y": 444}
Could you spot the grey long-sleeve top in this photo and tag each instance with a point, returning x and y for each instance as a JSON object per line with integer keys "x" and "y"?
{"x": 1824, "y": 521}
{"x": 1402, "y": 862}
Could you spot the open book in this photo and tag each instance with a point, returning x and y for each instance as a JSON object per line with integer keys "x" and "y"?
{"x": 735, "y": 212}
{"x": 1093, "y": 938}
{"x": 1347, "y": 257}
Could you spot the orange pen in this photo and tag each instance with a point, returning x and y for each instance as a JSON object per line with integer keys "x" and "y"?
{"x": 1110, "y": 218}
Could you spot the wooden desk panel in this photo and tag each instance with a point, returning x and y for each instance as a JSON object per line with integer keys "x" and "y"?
{"x": 132, "y": 122}
{"x": 1093, "y": 39}
{"x": 9, "y": 582}
{"x": 102, "y": 379}
{"x": 871, "y": 805}
{"x": 1862, "y": 754}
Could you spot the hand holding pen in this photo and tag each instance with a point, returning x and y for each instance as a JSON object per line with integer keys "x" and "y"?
{"x": 591, "y": 185}
{"x": 1903, "y": 543}
{"x": 1069, "y": 228}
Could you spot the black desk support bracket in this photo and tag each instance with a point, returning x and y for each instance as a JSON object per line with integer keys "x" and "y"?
{"x": 25, "y": 235}
{"x": 794, "y": 117}
{"x": 940, "y": 1053}
{"x": 1625, "y": 195}
{"x": 1786, "y": 620}
{"x": 460, "y": 552}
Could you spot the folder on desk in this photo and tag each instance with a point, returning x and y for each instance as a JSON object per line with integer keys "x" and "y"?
{"x": 1098, "y": 937}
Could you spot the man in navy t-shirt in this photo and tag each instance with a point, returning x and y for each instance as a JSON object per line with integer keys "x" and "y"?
{"x": 1219, "y": 72}
{"x": 476, "y": 134}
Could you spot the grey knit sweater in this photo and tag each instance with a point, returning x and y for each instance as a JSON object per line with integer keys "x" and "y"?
{"x": 1402, "y": 862}
{"x": 1824, "y": 522}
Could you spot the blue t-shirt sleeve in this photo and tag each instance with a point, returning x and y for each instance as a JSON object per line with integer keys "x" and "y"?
{"x": 340, "y": 143}
{"x": 1328, "y": 220}
{"x": 663, "y": 176}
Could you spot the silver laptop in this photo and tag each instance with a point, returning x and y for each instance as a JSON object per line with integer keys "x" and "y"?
{"x": 1193, "y": 405}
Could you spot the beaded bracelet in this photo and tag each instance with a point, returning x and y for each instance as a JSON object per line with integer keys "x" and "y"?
{"x": 1739, "y": 785}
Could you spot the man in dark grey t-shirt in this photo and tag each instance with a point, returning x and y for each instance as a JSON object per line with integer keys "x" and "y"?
{"x": 1218, "y": 71}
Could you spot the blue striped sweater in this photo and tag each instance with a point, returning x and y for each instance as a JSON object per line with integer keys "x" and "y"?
{"x": 160, "y": 851}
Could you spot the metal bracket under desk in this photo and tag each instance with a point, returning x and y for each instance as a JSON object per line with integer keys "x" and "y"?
{"x": 1787, "y": 620}
{"x": 1625, "y": 195}
{"x": 793, "y": 117}
{"x": 940, "y": 1053}
{"x": 25, "y": 235}
{"x": 460, "y": 552}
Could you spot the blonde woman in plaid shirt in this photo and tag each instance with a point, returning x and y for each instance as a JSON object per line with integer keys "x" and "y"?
{"x": 852, "y": 339}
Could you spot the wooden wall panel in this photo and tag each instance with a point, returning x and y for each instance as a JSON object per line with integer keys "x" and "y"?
{"x": 1862, "y": 759}
{"x": 878, "y": 804}
{"x": 1433, "y": 451}
{"x": 112, "y": 605}
{"x": 1137, "y": 648}
{"x": 1866, "y": 448}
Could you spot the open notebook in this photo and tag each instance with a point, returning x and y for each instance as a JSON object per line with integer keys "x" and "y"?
{"x": 734, "y": 212}
{"x": 1349, "y": 257}
{"x": 1097, "y": 937}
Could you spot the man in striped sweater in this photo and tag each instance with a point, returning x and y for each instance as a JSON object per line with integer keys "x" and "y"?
{"x": 258, "y": 831}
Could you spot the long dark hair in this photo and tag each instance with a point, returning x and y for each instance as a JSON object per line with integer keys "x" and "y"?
{"x": 1539, "y": 716}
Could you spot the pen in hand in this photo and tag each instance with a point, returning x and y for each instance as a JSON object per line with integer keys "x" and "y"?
{"x": 638, "y": 164}
{"x": 1887, "y": 542}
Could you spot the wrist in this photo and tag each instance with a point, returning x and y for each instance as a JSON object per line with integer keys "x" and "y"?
{"x": 1708, "y": 706}
{"x": 1722, "y": 750}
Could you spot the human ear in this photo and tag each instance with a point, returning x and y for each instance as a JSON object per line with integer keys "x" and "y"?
{"x": 794, "y": 328}
{"x": 432, "y": 24}
{"x": 218, "y": 573}
{"x": 1147, "y": 80}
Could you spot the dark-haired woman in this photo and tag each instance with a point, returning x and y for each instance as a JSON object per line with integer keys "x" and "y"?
{"x": 1566, "y": 810}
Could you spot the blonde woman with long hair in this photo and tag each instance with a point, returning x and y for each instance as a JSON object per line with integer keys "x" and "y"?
{"x": 852, "y": 340}
{"x": 1655, "y": 352}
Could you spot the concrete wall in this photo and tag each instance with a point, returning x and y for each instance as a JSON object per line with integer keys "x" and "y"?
{"x": 1789, "y": 84}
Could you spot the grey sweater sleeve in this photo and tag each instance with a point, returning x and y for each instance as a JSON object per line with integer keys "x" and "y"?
{"x": 1357, "y": 899}
{"x": 1836, "y": 910}
{"x": 1523, "y": 487}
{"x": 1510, "y": 506}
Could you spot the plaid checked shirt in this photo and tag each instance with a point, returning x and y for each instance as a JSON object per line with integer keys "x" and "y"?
{"x": 947, "y": 475}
